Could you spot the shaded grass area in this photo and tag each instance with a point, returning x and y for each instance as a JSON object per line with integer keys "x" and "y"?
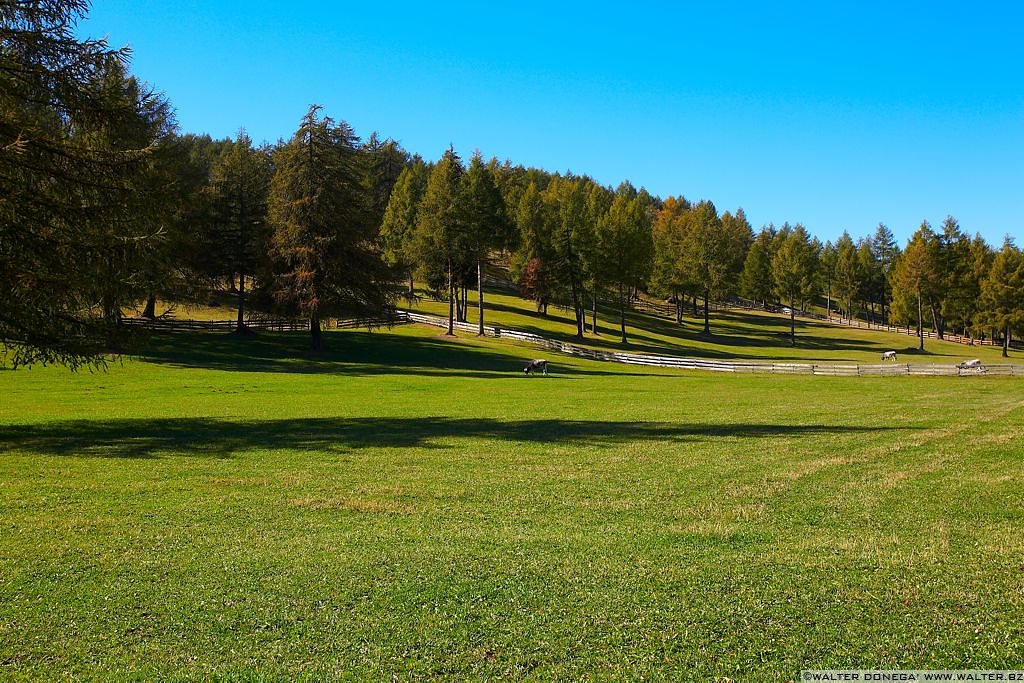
{"x": 222, "y": 438}
{"x": 207, "y": 512}
{"x": 734, "y": 334}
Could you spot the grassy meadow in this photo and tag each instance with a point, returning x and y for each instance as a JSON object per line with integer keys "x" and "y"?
{"x": 408, "y": 505}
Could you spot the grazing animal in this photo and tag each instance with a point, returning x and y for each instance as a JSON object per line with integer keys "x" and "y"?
{"x": 535, "y": 366}
{"x": 888, "y": 355}
{"x": 973, "y": 364}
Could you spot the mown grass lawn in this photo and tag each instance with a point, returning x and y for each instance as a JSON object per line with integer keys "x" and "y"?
{"x": 408, "y": 505}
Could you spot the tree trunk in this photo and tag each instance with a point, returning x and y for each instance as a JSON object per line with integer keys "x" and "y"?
{"x": 480, "y": 297}
{"x": 576, "y": 309}
{"x": 937, "y": 322}
{"x": 241, "y": 302}
{"x": 828, "y": 302}
{"x": 150, "y": 310}
{"x": 451, "y": 301}
{"x": 707, "y": 322}
{"x": 1006, "y": 343}
{"x": 593, "y": 319}
{"x": 412, "y": 290}
{"x": 622, "y": 315}
{"x": 679, "y": 309}
{"x": 316, "y": 334}
{"x": 920, "y": 322}
{"x": 792, "y": 323}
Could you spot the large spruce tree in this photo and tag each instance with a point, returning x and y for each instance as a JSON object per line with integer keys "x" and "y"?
{"x": 324, "y": 233}
{"x": 65, "y": 185}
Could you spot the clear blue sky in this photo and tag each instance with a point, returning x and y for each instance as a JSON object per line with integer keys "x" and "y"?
{"x": 835, "y": 115}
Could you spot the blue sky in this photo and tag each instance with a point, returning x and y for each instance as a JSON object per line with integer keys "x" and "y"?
{"x": 835, "y": 115}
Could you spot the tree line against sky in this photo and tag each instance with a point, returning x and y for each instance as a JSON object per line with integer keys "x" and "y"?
{"x": 105, "y": 204}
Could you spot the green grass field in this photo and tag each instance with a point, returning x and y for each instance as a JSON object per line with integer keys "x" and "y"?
{"x": 409, "y": 505}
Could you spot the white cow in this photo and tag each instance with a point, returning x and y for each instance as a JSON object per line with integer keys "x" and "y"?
{"x": 889, "y": 355}
{"x": 973, "y": 364}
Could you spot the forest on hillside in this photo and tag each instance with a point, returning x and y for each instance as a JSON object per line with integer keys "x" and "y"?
{"x": 105, "y": 206}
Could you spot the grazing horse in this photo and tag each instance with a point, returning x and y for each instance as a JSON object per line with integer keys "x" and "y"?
{"x": 889, "y": 355}
{"x": 974, "y": 364}
{"x": 535, "y": 366}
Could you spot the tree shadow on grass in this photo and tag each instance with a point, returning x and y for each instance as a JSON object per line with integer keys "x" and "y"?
{"x": 355, "y": 353}
{"x": 148, "y": 438}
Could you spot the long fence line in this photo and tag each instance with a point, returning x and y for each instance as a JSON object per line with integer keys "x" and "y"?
{"x": 669, "y": 310}
{"x": 741, "y": 366}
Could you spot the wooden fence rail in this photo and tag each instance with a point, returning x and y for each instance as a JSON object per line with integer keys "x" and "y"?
{"x": 741, "y": 366}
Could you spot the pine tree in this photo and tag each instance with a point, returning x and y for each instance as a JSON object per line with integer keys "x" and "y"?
{"x": 442, "y": 239}
{"x": 324, "y": 234}
{"x": 238, "y": 192}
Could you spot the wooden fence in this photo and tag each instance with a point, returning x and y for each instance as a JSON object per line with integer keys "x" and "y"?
{"x": 740, "y": 366}
{"x": 177, "y": 325}
{"x": 669, "y": 310}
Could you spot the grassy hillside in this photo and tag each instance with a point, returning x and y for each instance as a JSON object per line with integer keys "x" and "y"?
{"x": 735, "y": 334}
{"x": 411, "y": 505}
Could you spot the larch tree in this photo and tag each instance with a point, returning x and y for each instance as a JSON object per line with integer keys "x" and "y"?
{"x": 1002, "y": 293}
{"x": 916, "y": 273}
{"x": 488, "y": 227}
{"x": 536, "y": 253}
{"x": 669, "y": 274}
{"x": 755, "y": 281}
{"x": 65, "y": 188}
{"x": 238, "y": 190}
{"x": 793, "y": 271}
{"x": 572, "y": 240}
{"x": 324, "y": 233}
{"x": 713, "y": 255}
{"x": 442, "y": 238}
{"x": 398, "y": 227}
{"x": 624, "y": 247}
{"x": 848, "y": 279}
{"x": 886, "y": 251}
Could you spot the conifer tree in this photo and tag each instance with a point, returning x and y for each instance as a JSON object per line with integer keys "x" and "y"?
{"x": 324, "y": 234}
{"x": 848, "y": 278}
{"x": 1002, "y": 294}
{"x": 487, "y": 225}
{"x": 793, "y": 270}
{"x": 63, "y": 185}
{"x": 441, "y": 226}
{"x": 624, "y": 246}
{"x": 400, "y": 217}
{"x": 238, "y": 192}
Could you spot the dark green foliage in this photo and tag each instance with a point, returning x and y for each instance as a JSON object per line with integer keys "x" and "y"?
{"x": 238, "y": 192}
{"x": 442, "y": 237}
{"x": 324, "y": 233}
{"x": 76, "y": 147}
